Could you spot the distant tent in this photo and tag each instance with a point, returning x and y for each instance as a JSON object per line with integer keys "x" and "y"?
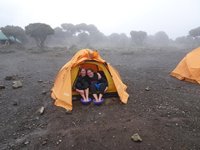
{"x": 62, "y": 90}
{"x": 10, "y": 39}
{"x": 3, "y": 37}
{"x": 189, "y": 67}
{"x": 14, "y": 40}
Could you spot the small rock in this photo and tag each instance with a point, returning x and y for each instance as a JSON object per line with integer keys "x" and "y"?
{"x": 17, "y": 84}
{"x": 26, "y": 142}
{"x": 12, "y": 145}
{"x": 46, "y": 82}
{"x": 167, "y": 125}
{"x": 136, "y": 138}
{"x": 73, "y": 123}
{"x": 2, "y": 87}
{"x": 44, "y": 142}
{"x": 44, "y": 92}
{"x": 15, "y": 103}
{"x": 58, "y": 142}
{"x": 41, "y": 110}
{"x": 147, "y": 88}
{"x": 39, "y": 81}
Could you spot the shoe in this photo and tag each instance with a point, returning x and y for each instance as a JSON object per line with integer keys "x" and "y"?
{"x": 98, "y": 102}
{"x": 86, "y": 102}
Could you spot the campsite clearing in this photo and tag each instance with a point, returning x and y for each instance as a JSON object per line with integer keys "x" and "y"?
{"x": 166, "y": 116}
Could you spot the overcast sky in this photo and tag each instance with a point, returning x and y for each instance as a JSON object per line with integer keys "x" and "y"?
{"x": 175, "y": 17}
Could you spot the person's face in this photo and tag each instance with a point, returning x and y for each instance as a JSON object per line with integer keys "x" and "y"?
{"x": 83, "y": 72}
{"x": 90, "y": 73}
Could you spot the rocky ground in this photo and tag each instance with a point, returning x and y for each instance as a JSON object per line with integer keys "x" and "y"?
{"x": 162, "y": 110}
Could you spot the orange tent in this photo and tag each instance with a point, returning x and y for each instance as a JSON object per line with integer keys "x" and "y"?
{"x": 62, "y": 90}
{"x": 189, "y": 68}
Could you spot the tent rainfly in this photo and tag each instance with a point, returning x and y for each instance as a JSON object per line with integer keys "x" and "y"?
{"x": 62, "y": 90}
{"x": 2, "y": 36}
{"x": 189, "y": 67}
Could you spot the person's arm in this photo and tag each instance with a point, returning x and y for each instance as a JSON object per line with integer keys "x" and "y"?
{"x": 78, "y": 81}
{"x": 101, "y": 78}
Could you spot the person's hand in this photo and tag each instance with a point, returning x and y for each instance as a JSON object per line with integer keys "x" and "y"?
{"x": 99, "y": 76}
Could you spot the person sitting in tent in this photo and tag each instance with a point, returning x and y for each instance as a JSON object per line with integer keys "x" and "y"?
{"x": 97, "y": 84}
{"x": 82, "y": 85}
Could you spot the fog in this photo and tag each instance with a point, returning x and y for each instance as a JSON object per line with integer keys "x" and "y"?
{"x": 141, "y": 41}
{"x": 176, "y": 18}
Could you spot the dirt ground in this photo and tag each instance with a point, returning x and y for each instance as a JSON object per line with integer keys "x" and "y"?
{"x": 166, "y": 117}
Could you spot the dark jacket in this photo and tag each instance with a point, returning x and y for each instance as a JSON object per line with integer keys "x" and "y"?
{"x": 82, "y": 83}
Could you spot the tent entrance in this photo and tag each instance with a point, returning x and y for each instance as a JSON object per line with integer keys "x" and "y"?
{"x": 97, "y": 67}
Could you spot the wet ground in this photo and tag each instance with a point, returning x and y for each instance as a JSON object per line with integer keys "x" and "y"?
{"x": 166, "y": 116}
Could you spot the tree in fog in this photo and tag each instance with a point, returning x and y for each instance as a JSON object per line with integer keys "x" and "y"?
{"x": 124, "y": 40}
{"x": 95, "y": 35}
{"x": 58, "y": 39}
{"x": 188, "y": 41}
{"x": 69, "y": 29}
{"x": 82, "y": 27}
{"x": 161, "y": 38}
{"x": 83, "y": 38}
{"x": 92, "y": 29}
{"x": 195, "y": 32}
{"x": 185, "y": 40}
{"x": 90, "y": 32}
{"x": 114, "y": 38}
{"x": 39, "y": 31}
{"x": 118, "y": 40}
{"x": 138, "y": 37}
{"x": 59, "y": 32}
{"x": 14, "y": 31}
